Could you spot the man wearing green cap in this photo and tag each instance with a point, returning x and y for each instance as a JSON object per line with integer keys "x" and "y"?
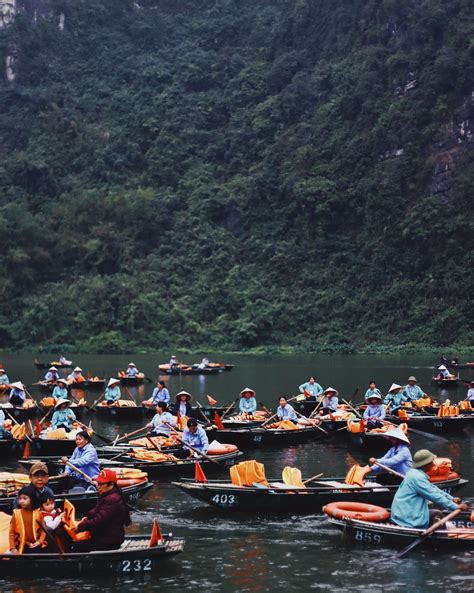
{"x": 410, "y": 504}
{"x": 412, "y": 390}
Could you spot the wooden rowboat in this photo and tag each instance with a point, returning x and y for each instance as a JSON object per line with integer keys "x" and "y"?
{"x": 280, "y": 497}
{"x": 263, "y": 437}
{"x": 133, "y": 557}
{"x": 124, "y": 380}
{"x": 439, "y": 424}
{"x": 11, "y": 447}
{"x": 47, "y": 365}
{"x": 124, "y": 413}
{"x": 388, "y": 534}
{"x": 20, "y": 413}
{"x": 447, "y": 383}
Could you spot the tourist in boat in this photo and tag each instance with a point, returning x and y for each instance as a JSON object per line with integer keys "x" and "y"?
{"x": 285, "y": 411}
{"x": 194, "y": 436}
{"x": 374, "y": 412}
{"x": 85, "y": 458}
{"x": 52, "y": 516}
{"x": 182, "y": 405}
{"x": 76, "y": 376}
{"x": 329, "y": 401}
{"x": 4, "y": 380}
{"x": 204, "y": 363}
{"x": 63, "y": 416}
{"x": 398, "y": 458}
{"x": 311, "y": 389}
{"x": 39, "y": 477}
{"x": 132, "y": 371}
{"x": 174, "y": 362}
{"x": 17, "y": 395}
{"x": 443, "y": 373}
{"x": 162, "y": 421}
{"x": 27, "y": 530}
{"x": 60, "y": 390}
{"x": 371, "y": 391}
{"x": 395, "y": 398}
{"x": 412, "y": 391}
{"x": 107, "y": 520}
{"x": 52, "y": 375}
{"x": 112, "y": 391}
{"x": 410, "y": 504}
{"x": 160, "y": 394}
{"x": 64, "y": 361}
{"x": 248, "y": 402}
{"x": 470, "y": 392}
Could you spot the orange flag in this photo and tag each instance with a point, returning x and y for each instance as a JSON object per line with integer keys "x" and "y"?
{"x": 211, "y": 400}
{"x": 218, "y": 421}
{"x": 26, "y": 451}
{"x": 199, "y": 475}
{"x": 156, "y": 537}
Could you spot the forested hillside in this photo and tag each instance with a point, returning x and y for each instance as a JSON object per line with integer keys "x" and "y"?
{"x": 237, "y": 174}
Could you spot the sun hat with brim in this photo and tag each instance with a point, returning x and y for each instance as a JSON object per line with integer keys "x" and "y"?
{"x": 374, "y": 396}
{"x": 246, "y": 390}
{"x": 2, "y": 370}
{"x": 77, "y": 369}
{"x": 422, "y": 457}
{"x": 397, "y": 433}
{"x": 394, "y": 386}
{"x": 106, "y": 476}
{"x": 18, "y": 385}
{"x": 63, "y": 381}
{"x": 132, "y": 364}
{"x": 112, "y": 381}
{"x": 331, "y": 390}
{"x": 61, "y": 402}
{"x": 53, "y": 368}
{"x": 412, "y": 378}
{"x": 442, "y": 368}
{"x": 178, "y": 395}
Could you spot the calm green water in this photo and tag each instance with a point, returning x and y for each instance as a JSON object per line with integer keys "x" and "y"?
{"x": 254, "y": 553}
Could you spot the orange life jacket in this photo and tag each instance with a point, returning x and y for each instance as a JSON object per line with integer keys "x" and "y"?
{"x": 20, "y": 532}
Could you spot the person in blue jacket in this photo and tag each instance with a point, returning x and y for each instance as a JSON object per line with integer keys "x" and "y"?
{"x": 194, "y": 436}
{"x": 412, "y": 391}
{"x": 410, "y": 504}
{"x": 160, "y": 393}
{"x": 132, "y": 370}
{"x": 4, "y": 380}
{"x": 248, "y": 402}
{"x": 112, "y": 391}
{"x": 395, "y": 398}
{"x": 311, "y": 388}
{"x": 162, "y": 421}
{"x": 329, "y": 401}
{"x": 63, "y": 416}
{"x": 60, "y": 390}
{"x": 52, "y": 375}
{"x": 398, "y": 458}
{"x": 374, "y": 413}
{"x": 84, "y": 458}
{"x": 285, "y": 411}
{"x": 372, "y": 390}
{"x": 17, "y": 395}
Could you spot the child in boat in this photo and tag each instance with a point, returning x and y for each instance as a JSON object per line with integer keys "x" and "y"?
{"x": 51, "y": 516}
{"x": 27, "y": 529}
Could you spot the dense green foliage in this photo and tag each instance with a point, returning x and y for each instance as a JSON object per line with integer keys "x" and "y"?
{"x": 224, "y": 174}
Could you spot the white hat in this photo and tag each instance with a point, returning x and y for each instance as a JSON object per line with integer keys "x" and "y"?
{"x": 2, "y": 370}
{"x": 176, "y": 397}
{"x": 397, "y": 433}
{"x": 373, "y": 396}
{"x": 61, "y": 381}
{"x": 60, "y": 402}
{"x": 394, "y": 386}
{"x": 132, "y": 364}
{"x": 18, "y": 385}
{"x": 442, "y": 368}
{"x": 331, "y": 390}
{"x": 245, "y": 390}
{"x": 112, "y": 381}
{"x": 77, "y": 369}
{"x": 53, "y": 368}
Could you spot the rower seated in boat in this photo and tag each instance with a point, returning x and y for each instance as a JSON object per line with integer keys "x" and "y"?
{"x": 17, "y": 395}
{"x": 4, "y": 432}
{"x": 4, "y": 377}
{"x": 52, "y": 375}
{"x": 27, "y": 529}
{"x": 413, "y": 391}
{"x": 112, "y": 391}
{"x": 63, "y": 416}
{"x": 372, "y": 391}
{"x": 248, "y": 402}
{"x": 132, "y": 370}
{"x": 410, "y": 504}
{"x": 194, "y": 436}
{"x": 285, "y": 411}
{"x": 76, "y": 376}
{"x": 182, "y": 405}
{"x": 85, "y": 458}
{"x": 470, "y": 392}
{"x": 443, "y": 373}
{"x": 374, "y": 412}
{"x": 39, "y": 477}
{"x": 162, "y": 422}
{"x": 174, "y": 362}
{"x": 311, "y": 389}
{"x": 204, "y": 363}
{"x": 64, "y": 361}
{"x": 60, "y": 389}
{"x": 398, "y": 458}
{"x": 329, "y": 401}
{"x": 160, "y": 394}
{"x": 106, "y": 522}
{"x": 395, "y": 398}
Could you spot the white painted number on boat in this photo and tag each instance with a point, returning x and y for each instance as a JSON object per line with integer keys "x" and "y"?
{"x": 257, "y": 438}
{"x": 136, "y": 565}
{"x": 227, "y": 499}
{"x": 437, "y": 423}
{"x": 365, "y": 536}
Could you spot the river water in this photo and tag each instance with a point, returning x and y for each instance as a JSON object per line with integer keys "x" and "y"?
{"x": 247, "y": 553}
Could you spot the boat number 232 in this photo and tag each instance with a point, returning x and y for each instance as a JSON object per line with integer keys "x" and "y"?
{"x": 136, "y": 565}
{"x": 227, "y": 499}
{"x": 366, "y": 536}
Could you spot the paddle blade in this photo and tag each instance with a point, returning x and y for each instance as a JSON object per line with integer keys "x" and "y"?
{"x": 199, "y": 475}
{"x": 155, "y": 537}
{"x": 218, "y": 421}
{"x": 26, "y": 450}
{"x": 211, "y": 400}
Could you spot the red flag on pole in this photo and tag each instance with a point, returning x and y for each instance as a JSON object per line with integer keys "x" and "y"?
{"x": 26, "y": 450}
{"x": 211, "y": 400}
{"x": 218, "y": 421}
{"x": 156, "y": 537}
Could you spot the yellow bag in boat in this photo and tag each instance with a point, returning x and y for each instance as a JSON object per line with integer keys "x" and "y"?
{"x": 57, "y": 434}
{"x": 292, "y": 476}
{"x": 18, "y": 431}
{"x": 4, "y": 532}
{"x": 248, "y": 472}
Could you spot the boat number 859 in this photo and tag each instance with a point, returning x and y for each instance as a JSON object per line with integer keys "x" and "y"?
{"x": 365, "y": 536}
{"x": 136, "y": 565}
{"x": 228, "y": 499}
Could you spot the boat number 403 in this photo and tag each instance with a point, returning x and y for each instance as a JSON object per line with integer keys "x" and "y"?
{"x": 366, "y": 536}
{"x": 227, "y": 499}
{"x": 137, "y": 565}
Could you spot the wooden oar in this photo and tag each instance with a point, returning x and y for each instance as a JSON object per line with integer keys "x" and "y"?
{"x": 428, "y": 532}
{"x": 80, "y": 472}
{"x": 313, "y": 478}
{"x": 101, "y": 437}
{"x": 206, "y": 419}
{"x": 91, "y": 409}
{"x": 229, "y": 408}
{"x": 389, "y": 470}
{"x": 131, "y": 434}
{"x": 311, "y": 424}
{"x": 130, "y": 395}
{"x": 32, "y": 398}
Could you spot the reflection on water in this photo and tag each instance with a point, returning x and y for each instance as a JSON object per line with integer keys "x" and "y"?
{"x": 270, "y": 553}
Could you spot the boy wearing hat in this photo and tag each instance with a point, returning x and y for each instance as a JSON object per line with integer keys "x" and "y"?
{"x": 410, "y": 504}
{"x": 398, "y": 457}
{"x": 412, "y": 390}
{"x": 39, "y": 477}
